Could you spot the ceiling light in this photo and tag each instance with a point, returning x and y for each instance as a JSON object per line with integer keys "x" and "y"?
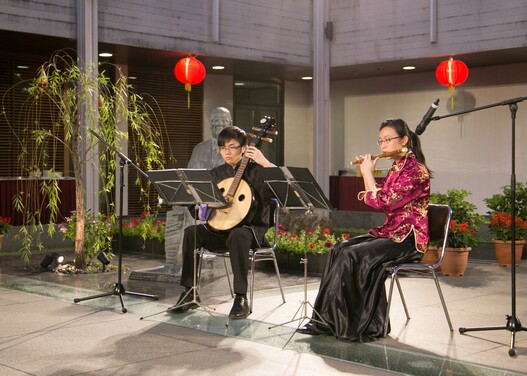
{"x": 105, "y": 54}
{"x": 239, "y": 84}
{"x": 132, "y": 78}
{"x": 22, "y": 67}
{"x": 408, "y": 67}
{"x": 218, "y": 67}
{"x": 307, "y": 78}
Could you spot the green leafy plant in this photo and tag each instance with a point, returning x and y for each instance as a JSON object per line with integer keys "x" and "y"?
{"x": 501, "y": 202}
{"x": 5, "y": 225}
{"x": 464, "y": 222}
{"x": 98, "y": 232}
{"x": 500, "y": 227}
{"x": 316, "y": 241}
{"x": 80, "y": 100}
{"x": 146, "y": 226}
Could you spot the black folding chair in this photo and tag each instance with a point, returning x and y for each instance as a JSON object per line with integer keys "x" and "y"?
{"x": 438, "y": 224}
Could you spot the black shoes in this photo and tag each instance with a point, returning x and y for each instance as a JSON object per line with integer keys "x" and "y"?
{"x": 311, "y": 330}
{"x": 184, "y": 303}
{"x": 240, "y": 308}
{"x": 308, "y": 330}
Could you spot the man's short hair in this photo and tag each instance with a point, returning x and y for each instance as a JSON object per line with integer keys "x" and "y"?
{"x": 232, "y": 133}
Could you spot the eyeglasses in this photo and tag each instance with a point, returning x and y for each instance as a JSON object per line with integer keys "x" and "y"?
{"x": 231, "y": 149}
{"x": 386, "y": 140}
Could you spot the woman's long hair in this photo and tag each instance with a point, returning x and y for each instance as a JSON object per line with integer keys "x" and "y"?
{"x": 414, "y": 143}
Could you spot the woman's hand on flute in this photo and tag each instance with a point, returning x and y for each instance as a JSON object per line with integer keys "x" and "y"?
{"x": 367, "y": 167}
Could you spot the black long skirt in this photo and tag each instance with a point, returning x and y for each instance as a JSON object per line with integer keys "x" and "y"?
{"x": 352, "y": 295}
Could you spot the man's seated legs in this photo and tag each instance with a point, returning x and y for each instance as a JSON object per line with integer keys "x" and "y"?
{"x": 190, "y": 243}
{"x": 239, "y": 243}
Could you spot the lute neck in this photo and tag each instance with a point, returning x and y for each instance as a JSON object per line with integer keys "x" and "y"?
{"x": 238, "y": 176}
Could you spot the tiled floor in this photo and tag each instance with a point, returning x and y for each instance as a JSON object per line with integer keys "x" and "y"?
{"x": 208, "y": 343}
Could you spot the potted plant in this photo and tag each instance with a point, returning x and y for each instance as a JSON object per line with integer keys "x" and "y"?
{"x": 462, "y": 232}
{"x": 500, "y": 206}
{"x": 500, "y": 227}
{"x": 5, "y": 227}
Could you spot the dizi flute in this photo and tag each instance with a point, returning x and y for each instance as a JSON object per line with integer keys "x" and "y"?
{"x": 383, "y": 155}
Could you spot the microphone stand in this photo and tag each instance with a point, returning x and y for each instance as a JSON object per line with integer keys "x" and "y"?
{"x": 513, "y": 323}
{"x": 118, "y": 287}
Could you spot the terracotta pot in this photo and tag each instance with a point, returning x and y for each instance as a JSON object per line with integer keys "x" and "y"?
{"x": 455, "y": 261}
{"x": 1, "y": 240}
{"x": 431, "y": 256}
{"x": 502, "y": 250}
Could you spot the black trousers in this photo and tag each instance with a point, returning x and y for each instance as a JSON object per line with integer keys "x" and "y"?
{"x": 237, "y": 242}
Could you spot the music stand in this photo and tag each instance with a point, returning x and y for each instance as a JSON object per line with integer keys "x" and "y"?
{"x": 118, "y": 288}
{"x": 296, "y": 188}
{"x": 186, "y": 187}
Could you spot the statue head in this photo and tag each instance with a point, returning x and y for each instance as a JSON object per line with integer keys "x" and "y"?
{"x": 219, "y": 119}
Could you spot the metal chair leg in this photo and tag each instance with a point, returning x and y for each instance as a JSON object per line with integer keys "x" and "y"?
{"x": 402, "y": 298}
{"x": 278, "y": 277}
{"x": 388, "y": 305}
{"x": 228, "y": 277}
{"x": 443, "y": 303}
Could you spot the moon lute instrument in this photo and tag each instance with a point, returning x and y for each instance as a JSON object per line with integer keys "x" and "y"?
{"x": 237, "y": 192}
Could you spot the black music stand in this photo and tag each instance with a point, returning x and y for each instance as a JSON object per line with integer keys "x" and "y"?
{"x": 296, "y": 188}
{"x": 187, "y": 187}
{"x": 513, "y": 322}
{"x": 118, "y": 287}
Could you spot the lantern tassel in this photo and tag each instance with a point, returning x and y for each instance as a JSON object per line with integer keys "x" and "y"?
{"x": 188, "y": 88}
{"x": 452, "y": 90}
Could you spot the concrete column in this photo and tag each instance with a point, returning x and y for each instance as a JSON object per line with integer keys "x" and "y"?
{"x": 87, "y": 40}
{"x": 321, "y": 117}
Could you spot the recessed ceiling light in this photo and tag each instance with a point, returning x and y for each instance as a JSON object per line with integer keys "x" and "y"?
{"x": 22, "y": 67}
{"x": 408, "y": 67}
{"x": 105, "y": 54}
{"x": 239, "y": 84}
{"x": 218, "y": 67}
{"x": 132, "y": 78}
{"x": 307, "y": 78}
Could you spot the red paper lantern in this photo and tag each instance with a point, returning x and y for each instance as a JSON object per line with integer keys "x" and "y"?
{"x": 451, "y": 73}
{"x": 189, "y": 71}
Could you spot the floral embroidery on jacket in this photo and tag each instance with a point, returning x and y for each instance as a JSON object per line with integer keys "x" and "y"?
{"x": 403, "y": 197}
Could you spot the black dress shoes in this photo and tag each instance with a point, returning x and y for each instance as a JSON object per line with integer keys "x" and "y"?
{"x": 240, "y": 308}
{"x": 184, "y": 303}
{"x": 312, "y": 330}
{"x": 308, "y": 330}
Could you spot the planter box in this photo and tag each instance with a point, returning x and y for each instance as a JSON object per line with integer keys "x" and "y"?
{"x": 292, "y": 263}
{"x": 137, "y": 244}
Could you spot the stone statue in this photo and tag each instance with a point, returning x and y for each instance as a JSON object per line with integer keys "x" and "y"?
{"x": 206, "y": 154}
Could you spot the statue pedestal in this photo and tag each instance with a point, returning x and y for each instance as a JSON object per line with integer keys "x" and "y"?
{"x": 177, "y": 220}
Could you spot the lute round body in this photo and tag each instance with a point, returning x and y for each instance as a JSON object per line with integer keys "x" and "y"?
{"x": 236, "y": 211}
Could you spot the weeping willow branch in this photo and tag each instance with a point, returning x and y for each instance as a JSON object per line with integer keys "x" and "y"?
{"x": 59, "y": 110}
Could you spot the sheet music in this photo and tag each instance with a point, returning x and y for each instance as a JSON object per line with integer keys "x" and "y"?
{"x": 295, "y": 188}
{"x": 186, "y": 186}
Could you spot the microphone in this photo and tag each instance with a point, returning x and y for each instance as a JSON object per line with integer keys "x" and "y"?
{"x": 427, "y": 118}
